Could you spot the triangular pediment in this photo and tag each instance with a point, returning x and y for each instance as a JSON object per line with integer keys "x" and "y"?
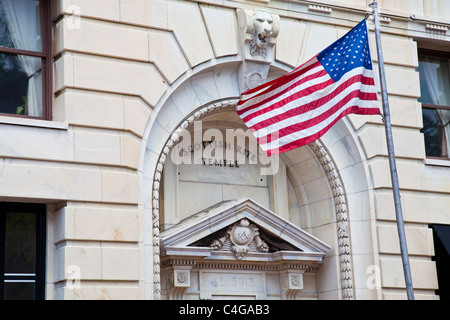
{"x": 243, "y": 226}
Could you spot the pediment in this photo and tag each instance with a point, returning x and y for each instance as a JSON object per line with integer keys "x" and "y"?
{"x": 240, "y": 230}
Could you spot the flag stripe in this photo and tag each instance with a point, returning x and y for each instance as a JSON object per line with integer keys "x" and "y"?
{"x": 306, "y": 85}
{"x": 288, "y": 84}
{"x": 307, "y": 125}
{"x": 302, "y": 105}
{"x": 279, "y": 81}
{"x": 295, "y": 143}
{"x": 305, "y": 110}
{"x": 298, "y": 123}
{"x": 315, "y": 132}
{"x": 305, "y": 100}
{"x": 310, "y": 89}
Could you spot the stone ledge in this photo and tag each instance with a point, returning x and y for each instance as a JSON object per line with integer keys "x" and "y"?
{"x": 33, "y": 123}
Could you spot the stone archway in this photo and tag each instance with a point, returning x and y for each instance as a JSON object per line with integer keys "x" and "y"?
{"x": 334, "y": 180}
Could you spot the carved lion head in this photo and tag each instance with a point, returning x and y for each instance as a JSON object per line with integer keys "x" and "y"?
{"x": 263, "y": 27}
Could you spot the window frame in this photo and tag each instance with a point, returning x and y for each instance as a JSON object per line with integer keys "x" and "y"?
{"x": 436, "y": 54}
{"x": 39, "y": 277}
{"x": 46, "y": 60}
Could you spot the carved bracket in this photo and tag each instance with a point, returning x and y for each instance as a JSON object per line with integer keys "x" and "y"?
{"x": 291, "y": 284}
{"x": 178, "y": 283}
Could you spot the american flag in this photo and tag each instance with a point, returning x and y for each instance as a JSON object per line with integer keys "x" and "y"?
{"x": 299, "y": 107}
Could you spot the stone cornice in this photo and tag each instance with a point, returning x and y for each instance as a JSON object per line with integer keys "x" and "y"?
{"x": 399, "y": 23}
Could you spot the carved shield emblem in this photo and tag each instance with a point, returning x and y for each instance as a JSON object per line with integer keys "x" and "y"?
{"x": 242, "y": 234}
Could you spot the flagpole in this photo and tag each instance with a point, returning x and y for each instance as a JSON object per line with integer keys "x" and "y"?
{"x": 392, "y": 164}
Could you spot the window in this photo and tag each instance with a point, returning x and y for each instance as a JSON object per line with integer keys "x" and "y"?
{"x": 22, "y": 251}
{"x": 434, "y": 71}
{"x": 441, "y": 238}
{"x": 25, "y": 58}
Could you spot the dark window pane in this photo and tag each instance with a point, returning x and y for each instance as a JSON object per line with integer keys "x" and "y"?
{"x": 20, "y": 243}
{"x": 22, "y": 251}
{"x": 434, "y": 76}
{"x": 21, "y": 85}
{"x": 19, "y": 290}
{"x": 20, "y": 24}
{"x": 434, "y": 133}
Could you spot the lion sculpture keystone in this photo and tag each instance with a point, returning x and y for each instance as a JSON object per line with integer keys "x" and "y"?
{"x": 263, "y": 30}
{"x": 258, "y": 32}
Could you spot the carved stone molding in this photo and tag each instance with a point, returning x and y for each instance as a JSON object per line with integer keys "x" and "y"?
{"x": 383, "y": 19}
{"x": 333, "y": 178}
{"x": 341, "y": 219}
{"x": 239, "y": 261}
{"x": 321, "y": 9}
{"x": 439, "y": 29}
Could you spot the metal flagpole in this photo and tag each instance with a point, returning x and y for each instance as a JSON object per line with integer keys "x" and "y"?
{"x": 392, "y": 164}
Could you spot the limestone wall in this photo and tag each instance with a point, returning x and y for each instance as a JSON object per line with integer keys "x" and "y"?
{"x": 117, "y": 62}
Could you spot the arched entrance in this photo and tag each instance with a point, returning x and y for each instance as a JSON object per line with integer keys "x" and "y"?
{"x": 313, "y": 198}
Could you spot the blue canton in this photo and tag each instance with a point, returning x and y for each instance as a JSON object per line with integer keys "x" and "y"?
{"x": 349, "y": 52}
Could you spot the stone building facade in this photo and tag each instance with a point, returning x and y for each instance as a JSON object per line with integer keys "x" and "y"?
{"x": 120, "y": 218}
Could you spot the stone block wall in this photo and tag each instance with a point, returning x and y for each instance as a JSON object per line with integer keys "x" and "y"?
{"x": 116, "y": 62}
